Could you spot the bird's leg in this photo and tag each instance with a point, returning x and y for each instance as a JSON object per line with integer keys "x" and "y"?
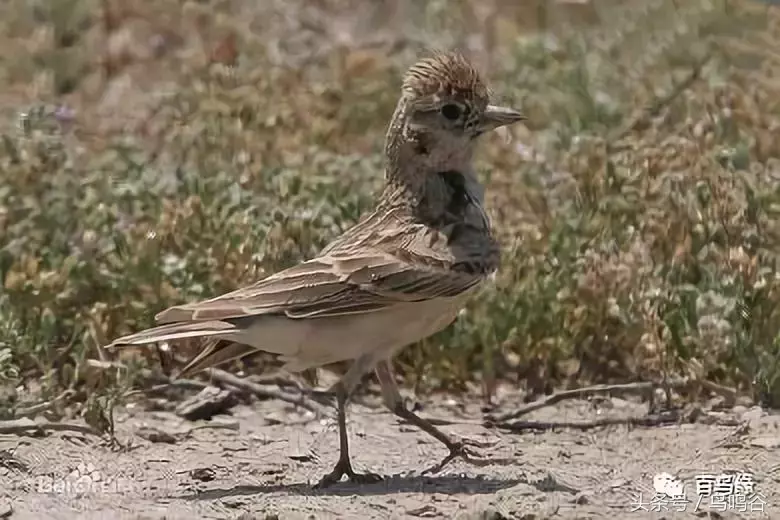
{"x": 343, "y": 389}
{"x": 348, "y": 382}
{"x": 459, "y": 448}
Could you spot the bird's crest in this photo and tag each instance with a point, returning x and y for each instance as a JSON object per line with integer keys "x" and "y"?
{"x": 445, "y": 74}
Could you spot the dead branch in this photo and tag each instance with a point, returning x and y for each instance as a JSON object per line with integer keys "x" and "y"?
{"x": 26, "y": 425}
{"x": 223, "y": 377}
{"x": 649, "y": 421}
{"x": 730, "y": 394}
{"x": 208, "y": 402}
{"x": 265, "y": 392}
{"x": 438, "y": 421}
{"x": 589, "y": 391}
{"x": 31, "y": 411}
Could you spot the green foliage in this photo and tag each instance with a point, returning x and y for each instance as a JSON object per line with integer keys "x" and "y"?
{"x": 654, "y": 252}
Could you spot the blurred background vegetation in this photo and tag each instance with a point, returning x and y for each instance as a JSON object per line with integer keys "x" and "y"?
{"x": 153, "y": 153}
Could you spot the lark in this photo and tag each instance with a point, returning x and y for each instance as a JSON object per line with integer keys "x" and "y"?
{"x": 402, "y": 273}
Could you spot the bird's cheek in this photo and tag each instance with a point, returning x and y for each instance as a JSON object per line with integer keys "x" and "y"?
{"x": 422, "y": 145}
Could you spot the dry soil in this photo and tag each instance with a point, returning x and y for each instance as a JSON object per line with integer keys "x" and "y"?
{"x": 261, "y": 460}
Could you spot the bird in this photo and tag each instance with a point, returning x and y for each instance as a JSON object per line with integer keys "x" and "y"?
{"x": 402, "y": 273}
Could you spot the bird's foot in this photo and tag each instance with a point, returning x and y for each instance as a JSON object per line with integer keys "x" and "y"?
{"x": 344, "y": 467}
{"x": 467, "y": 449}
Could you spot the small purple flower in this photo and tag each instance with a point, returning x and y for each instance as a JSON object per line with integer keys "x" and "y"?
{"x": 64, "y": 114}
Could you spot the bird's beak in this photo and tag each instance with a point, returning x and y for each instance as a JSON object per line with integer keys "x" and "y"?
{"x": 496, "y": 117}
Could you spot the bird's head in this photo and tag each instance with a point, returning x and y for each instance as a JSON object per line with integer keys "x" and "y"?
{"x": 444, "y": 108}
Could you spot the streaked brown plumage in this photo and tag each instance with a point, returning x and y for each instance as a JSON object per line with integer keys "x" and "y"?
{"x": 399, "y": 275}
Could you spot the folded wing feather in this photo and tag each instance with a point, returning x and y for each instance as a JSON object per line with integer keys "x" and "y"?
{"x": 328, "y": 286}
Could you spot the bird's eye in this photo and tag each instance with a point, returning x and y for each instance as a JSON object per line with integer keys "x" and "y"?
{"x": 451, "y": 111}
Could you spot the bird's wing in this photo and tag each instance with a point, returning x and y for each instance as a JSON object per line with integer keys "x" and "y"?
{"x": 214, "y": 353}
{"x": 360, "y": 280}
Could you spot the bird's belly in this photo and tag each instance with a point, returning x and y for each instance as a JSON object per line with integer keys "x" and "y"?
{"x": 311, "y": 342}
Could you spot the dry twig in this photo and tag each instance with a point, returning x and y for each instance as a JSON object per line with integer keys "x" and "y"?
{"x": 588, "y": 391}
{"x": 225, "y": 378}
{"x": 266, "y": 392}
{"x": 31, "y": 411}
{"x": 660, "y": 419}
{"x": 26, "y": 425}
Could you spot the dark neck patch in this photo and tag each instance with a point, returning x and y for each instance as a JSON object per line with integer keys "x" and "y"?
{"x": 445, "y": 200}
{"x": 459, "y": 198}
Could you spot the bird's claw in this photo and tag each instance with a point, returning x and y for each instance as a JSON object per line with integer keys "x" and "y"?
{"x": 345, "y": 468}
{"x": 467, "y": 449}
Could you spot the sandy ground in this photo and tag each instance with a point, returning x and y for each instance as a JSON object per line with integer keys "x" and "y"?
{"x": 261, "y": 461}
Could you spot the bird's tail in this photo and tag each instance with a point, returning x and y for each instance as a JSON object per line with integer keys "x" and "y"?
{"x": 216, "y": 351}
{"x": 173, "y": 331}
